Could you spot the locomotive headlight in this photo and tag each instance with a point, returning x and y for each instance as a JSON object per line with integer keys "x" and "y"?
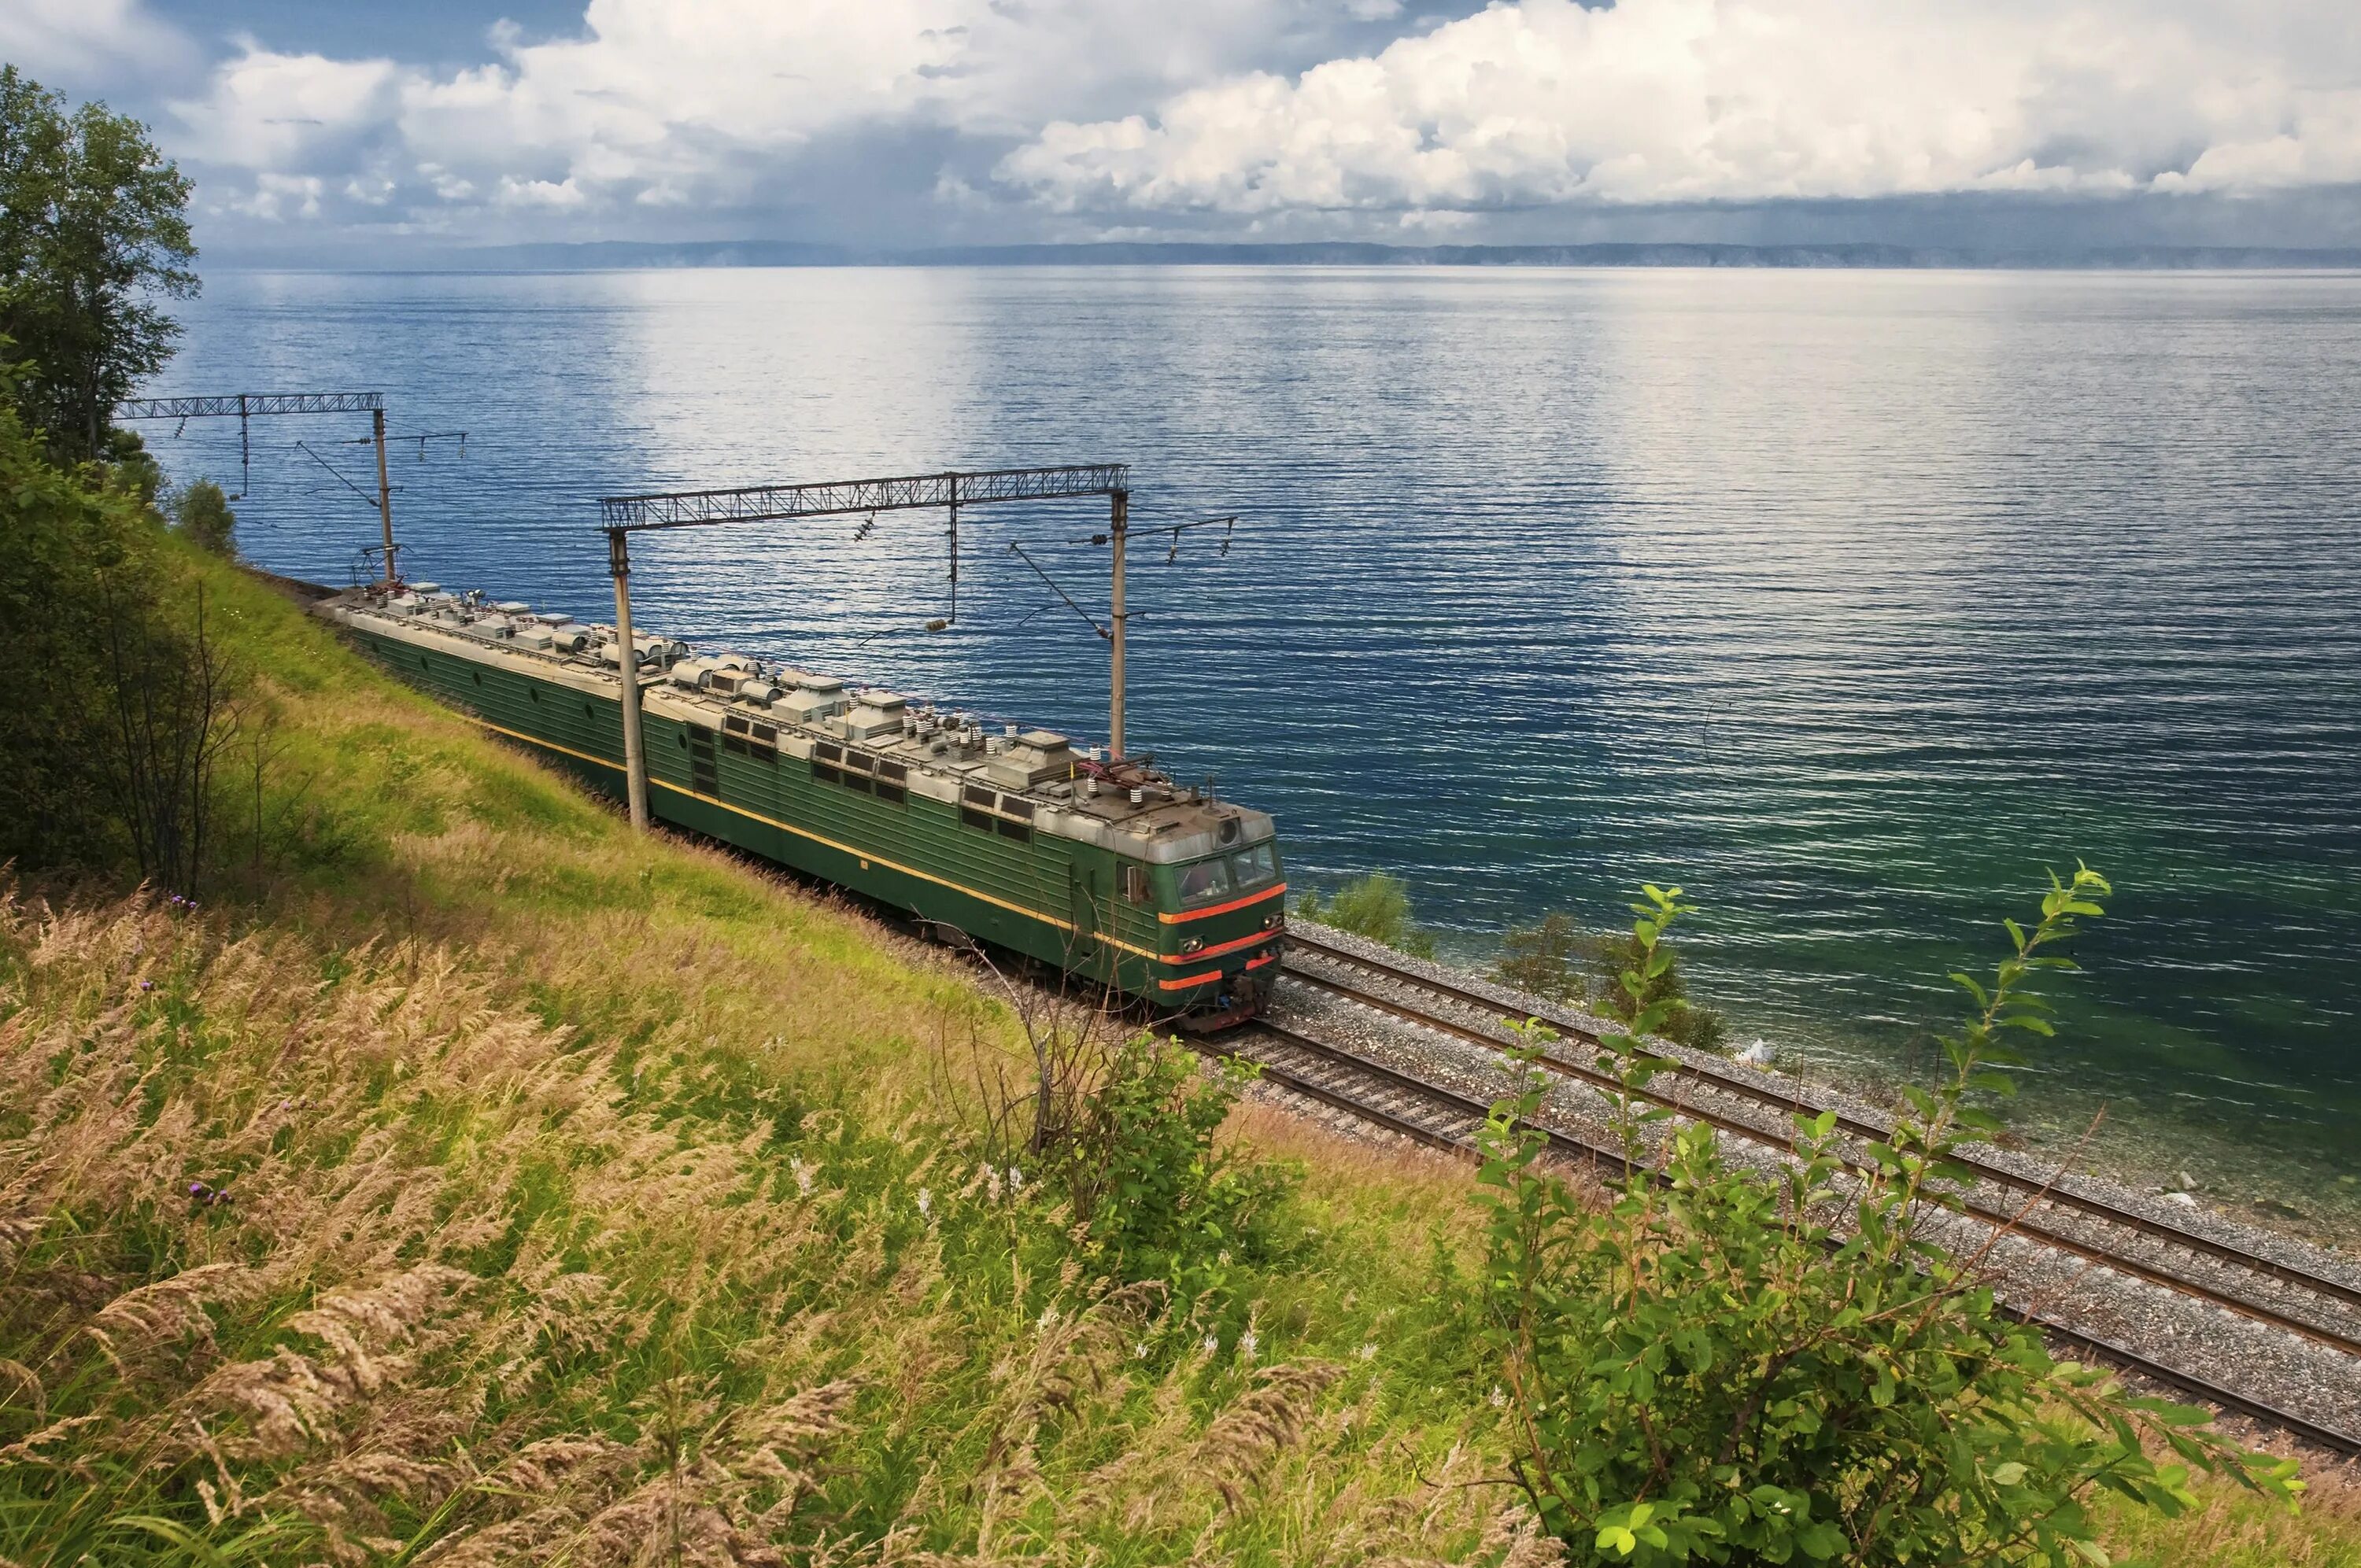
{"x": 1192, "y": 944}
{"x": 1270, "y": 922}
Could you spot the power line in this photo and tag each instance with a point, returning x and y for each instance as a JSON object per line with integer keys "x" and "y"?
{"x": 1019, "y": 551}
{"x": 367, "y": 498}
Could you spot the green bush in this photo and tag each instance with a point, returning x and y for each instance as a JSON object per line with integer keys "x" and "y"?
{"x": 1555, "y": 960}
{"x": 1155, "y": 1196}
{"x": 201, "y": 513}
{"x": 121, "y": 704}
{"x": 1540, "y": 959}
{"x": 1376, "y": 906}
{"x": 1717, "y": 1368}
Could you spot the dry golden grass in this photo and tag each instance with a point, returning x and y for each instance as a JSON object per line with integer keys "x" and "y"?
{"x": 2232, "y": 1529}
{"x": 336, "y": 1254}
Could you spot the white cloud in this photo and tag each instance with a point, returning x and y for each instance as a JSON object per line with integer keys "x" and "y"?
{"x": 561, "y": 197}
{"x": 1127, "y": 111}
{"x": 662, "y": 104}
{"x": 275, "y": 196}
{"x": 270, "y": 111}
{"x": 1544, "y": 102}
{"x": 53, "y": 40}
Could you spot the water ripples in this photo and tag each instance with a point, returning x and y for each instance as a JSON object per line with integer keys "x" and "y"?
{"x": 1849, "y": 601}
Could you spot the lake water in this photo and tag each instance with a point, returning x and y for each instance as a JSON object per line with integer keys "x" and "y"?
{"x": 1849, "y": 601}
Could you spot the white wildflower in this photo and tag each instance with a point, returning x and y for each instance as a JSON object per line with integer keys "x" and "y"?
{"x": 1015, "y": 1179}
{"x": 1049, "y": 1315}
{"x": 1500, "y": 1398}
{"x": 1212, "y": 1344}
{"x": 926, "y": 1202}
{"x": 1139, "y": 1350}
{"x": 1249, "y": 1343}
{"x": 1367, "y": 1352}
{"x": 802, "y": 1175}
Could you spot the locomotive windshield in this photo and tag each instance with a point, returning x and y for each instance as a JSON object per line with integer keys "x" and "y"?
{"x": 1205, "y": 881}
{"x": 1242, "y": 871}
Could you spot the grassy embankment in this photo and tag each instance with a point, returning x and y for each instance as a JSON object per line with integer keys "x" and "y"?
{"x": 482, "y": 1184}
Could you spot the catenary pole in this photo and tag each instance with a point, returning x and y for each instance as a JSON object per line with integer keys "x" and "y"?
{"x": 384, "y": 494}
{"x": 950, "y": 488}
{"x": 1118, "y": 525}
{"x": 635, "y": 757}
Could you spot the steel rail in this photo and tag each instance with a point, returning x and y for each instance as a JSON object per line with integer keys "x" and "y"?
{"x": 2343, "y": 1443}
{"x": 1461, "y": 1104}
{"x": 2000, "y": 1176}
{"x": 2092, "y": 1345}
{"x": 1391, "y": 1121}
{"x": 1999, "y": 1219}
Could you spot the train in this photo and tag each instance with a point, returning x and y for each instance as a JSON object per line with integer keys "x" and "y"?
{"x": 1102, "y": 867}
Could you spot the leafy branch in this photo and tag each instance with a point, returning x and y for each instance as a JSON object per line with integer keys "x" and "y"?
{"x": 1718, "y": 1367}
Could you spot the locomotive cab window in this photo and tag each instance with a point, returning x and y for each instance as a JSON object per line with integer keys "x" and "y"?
{"x": 1205, "y": 881}
{"x": 1135, "y": 885}
{"x": 1254, "y": 867}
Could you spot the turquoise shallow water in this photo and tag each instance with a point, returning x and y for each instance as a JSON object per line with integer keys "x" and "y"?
{"x": 1848, "y": 600}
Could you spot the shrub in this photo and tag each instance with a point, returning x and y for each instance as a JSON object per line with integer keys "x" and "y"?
{"x": 123, "y": 698}
{"x": 1555, "y": 961}
{"x": 1539, "y": 959}
{"x": 1157, "y": 1199}
{"x": 1125, "y": 1129}
{"x": 1719, "y": 1368}
{"x": 1376, "y": 906}
{"x": 203, "y": 514}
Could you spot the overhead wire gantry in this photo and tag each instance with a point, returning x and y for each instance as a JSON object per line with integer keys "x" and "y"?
{"x": 622, "y": 516}
{"x": 245, "y": 406}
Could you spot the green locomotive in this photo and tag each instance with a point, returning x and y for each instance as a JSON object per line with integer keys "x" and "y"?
{"x": 1104, "y": 869}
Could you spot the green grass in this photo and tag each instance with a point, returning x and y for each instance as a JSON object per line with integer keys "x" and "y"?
{"x": 575, "y": 1216}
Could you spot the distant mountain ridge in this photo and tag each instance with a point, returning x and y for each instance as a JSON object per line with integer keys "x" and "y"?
{"x": 606, "y": 254}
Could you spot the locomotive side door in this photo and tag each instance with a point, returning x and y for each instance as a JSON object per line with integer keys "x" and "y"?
{"x": 1087, "y": 902}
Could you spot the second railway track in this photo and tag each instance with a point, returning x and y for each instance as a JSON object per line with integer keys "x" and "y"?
{"x": 1416, "y": 1105}
{"x": 2336, "y": 1297}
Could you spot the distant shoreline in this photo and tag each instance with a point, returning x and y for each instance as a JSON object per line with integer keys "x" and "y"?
{"x": 642, "y": 256}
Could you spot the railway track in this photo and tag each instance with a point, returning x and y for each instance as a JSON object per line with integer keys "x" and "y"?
{"x": 2109, "y": 1214}
{"x": 1340, "y": 1075}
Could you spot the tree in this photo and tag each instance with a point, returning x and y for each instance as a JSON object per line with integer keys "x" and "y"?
{"x": 202, "y": 513}
{"x": 93, "y": 227}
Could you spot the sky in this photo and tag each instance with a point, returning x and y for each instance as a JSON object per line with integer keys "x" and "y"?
{"x": 324, "y": 130}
